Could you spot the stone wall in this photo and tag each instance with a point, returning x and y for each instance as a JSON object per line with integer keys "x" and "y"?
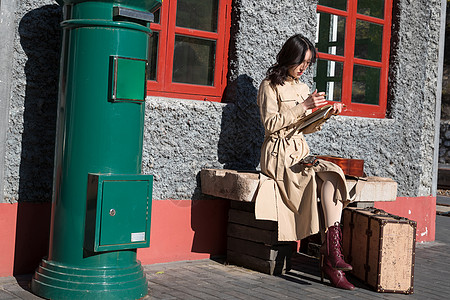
{"x": 184, "y": 136}
{"x": 29, "y": 145}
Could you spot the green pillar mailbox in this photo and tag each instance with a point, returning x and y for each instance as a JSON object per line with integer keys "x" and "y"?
{"x": 101, "y": 201}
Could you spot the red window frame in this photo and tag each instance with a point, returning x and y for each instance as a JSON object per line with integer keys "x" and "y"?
{"x": 163, "y": 86}
{"x": 351, "y": 15}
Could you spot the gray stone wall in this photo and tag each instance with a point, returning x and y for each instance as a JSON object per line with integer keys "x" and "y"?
{"x": 184, "y": 136}
{"x": 29, "y": 144}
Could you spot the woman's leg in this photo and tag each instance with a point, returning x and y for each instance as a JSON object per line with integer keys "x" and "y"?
{"x": 332, "y": 262}
{"x": 332, "y": 208}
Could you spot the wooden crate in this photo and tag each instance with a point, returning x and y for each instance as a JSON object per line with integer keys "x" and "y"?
{"x": 253, "y": 244}
{"x": 381, "y": 248}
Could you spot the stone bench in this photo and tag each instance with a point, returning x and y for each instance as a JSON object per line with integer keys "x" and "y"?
{"x": 254, "y": 243}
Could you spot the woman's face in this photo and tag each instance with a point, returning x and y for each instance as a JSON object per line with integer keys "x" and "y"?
{"x": 297, "y": 70}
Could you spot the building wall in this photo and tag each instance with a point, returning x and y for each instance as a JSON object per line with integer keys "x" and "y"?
{"x": 400, "y": 146}
{"x": 183, "y": 136}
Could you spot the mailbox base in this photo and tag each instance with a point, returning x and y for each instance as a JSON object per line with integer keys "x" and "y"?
{"x": 57, "y": 281}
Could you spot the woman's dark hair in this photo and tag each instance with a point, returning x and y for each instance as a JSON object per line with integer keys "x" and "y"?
{"x": 291, "y": 54}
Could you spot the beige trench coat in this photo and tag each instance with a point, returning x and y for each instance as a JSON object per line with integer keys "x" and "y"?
{"x": 288, "y": 190}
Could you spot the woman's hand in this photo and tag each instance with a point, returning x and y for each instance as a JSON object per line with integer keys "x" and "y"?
{"x": 337, "y": 108}
{"x": 314, "y": 100}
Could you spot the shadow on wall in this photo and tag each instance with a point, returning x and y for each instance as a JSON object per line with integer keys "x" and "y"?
{"x": 242, "y": 133}
{"x": 239, "y": 148}
{"x": 40, "y": 38}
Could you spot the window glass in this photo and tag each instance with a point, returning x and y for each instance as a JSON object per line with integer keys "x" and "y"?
{"x": 366, "y": 85}
{"x": 373, "y": 8}
{"x": 157, "y": 15}
{"x": 153, "y": 55}
{"x": 328, "y": 78}
{"x": 193, "y": 60}
{"x": 331, "y": 34}
{"x": 369, "y": 38}
{"x": 339, "y": 4}
{"x": 201, "y": 15}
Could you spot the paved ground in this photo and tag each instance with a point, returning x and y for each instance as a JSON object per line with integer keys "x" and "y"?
{"x": 212, "y": 279}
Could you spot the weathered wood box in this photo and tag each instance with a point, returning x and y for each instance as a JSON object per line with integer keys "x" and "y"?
{"x": 381, "y": 248}
{"x": 254, "y": 243}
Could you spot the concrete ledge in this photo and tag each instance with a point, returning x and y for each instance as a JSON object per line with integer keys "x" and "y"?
{"x": 242, "y": 186}
{"x": 375, "y": 189}
{"x": 230, "y": 184}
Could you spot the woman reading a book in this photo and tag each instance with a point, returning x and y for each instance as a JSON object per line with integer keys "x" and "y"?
{"x": 284, "y": 103}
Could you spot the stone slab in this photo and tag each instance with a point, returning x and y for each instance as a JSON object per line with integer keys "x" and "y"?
{"x": 242, "y": 186}
{"x": 229, "y": 184}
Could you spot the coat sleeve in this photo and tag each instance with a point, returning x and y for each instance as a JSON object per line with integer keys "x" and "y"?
{"x": 273, "y": 119}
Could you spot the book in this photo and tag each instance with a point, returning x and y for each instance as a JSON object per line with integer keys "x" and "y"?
{"x": 318, "y": 117}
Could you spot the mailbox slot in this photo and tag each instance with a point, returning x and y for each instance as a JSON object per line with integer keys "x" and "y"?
{"x": 128, "y": 13}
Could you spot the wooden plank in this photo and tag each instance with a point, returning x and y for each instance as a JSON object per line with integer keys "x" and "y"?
{"x": 245, "y": 206}
{"x": 249, "y": 219}
{"x": 260, "y": 250}
{"x": 443, "y": 176}
{"x": 271, "y": 267}
{"x": 252, "y": 234}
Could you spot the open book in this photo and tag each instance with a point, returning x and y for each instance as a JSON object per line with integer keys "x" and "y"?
{"x": 318, "y": 117}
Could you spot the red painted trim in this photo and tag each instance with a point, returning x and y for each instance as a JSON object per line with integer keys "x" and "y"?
{"x": 186, "y": 96}
{"x": 420, "y": 209}
{"x": 365, "y": 62}
{"x": 197, "y": 33}
{"x": 186, "y": 230}
{"x": 162, "y": 46}
{"x": 370, "y": 19}
{"x": 332, "y": 11}
{"x": 8, "y": 218}
{"x": 327, "y": 56}
{"x": 24, "y": 235}
{"x": 180, "y": 230}
{"x": 168, "y": 29}
{"x": 349, "y": 53}
{"x": 385, "y": 52}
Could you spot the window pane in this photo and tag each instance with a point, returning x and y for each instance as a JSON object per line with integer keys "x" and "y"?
{"x": 193, "y": 60}
{"x": 153, "y": 55}
{"x": 374, "y": 8}
{"x": 339, "y": 4}
{"x": 331, "y": 34}
{"x": 197, "y": 14}
{"x": 328, "y": 78}
{"x": 369, "y": 37}
{"x": 157, "y": 16}
{"x": 366, "y": 85}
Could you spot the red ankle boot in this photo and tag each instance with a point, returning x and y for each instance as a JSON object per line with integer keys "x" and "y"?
{"x": 331, "y": 248}
{"x": 337, "y": 277}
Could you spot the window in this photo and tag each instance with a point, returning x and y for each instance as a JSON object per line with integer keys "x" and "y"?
{"x": 353, "y": 39}
{"x": 189, "y": 49}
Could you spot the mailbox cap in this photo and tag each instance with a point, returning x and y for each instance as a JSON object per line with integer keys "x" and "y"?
{"x": 149, "y": 5}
